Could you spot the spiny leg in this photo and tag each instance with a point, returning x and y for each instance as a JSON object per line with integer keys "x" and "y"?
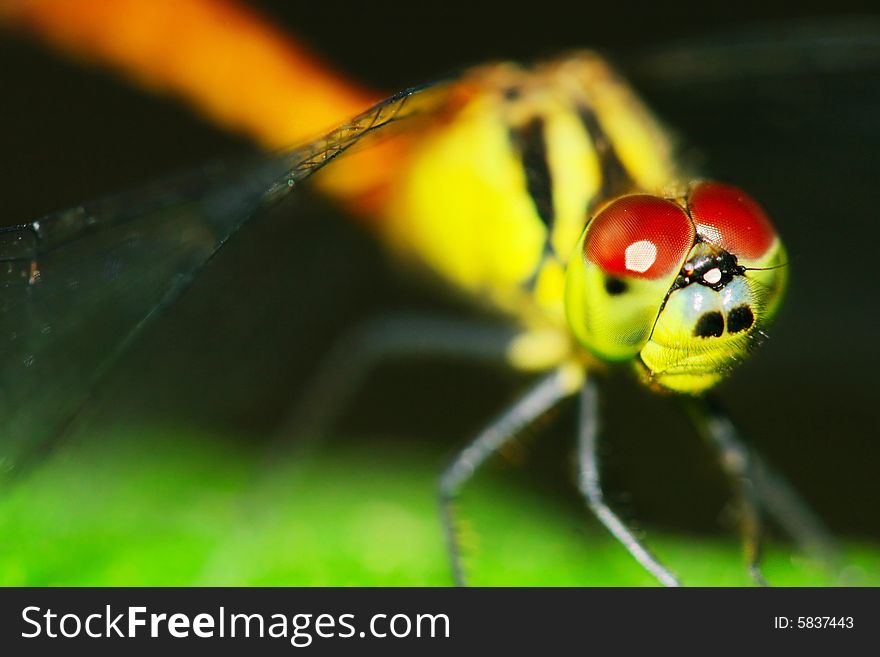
{"x": 349, "y": 363}
{"x": 795, "y": 516}
{"x": 536, "y": 402}
{"x": 765, "y": 487}
{"x": 342, "y": 372}
{"x": 590, "y": 485}
{"x": 736, "y": 461}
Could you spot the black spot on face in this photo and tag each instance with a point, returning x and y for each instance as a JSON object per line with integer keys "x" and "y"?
{"x": 710, "y": 325}
{"x": 739, "y": 319}
{"x": 615, "y": 286}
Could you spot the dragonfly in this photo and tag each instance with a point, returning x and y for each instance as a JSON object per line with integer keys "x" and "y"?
{"x": 550, "y": 194}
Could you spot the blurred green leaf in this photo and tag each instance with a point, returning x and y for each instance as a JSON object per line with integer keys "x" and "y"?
{"x": 167, "y": 508}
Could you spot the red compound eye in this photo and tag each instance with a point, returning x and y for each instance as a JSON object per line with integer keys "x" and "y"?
{"x": 641, "y": 236}
{"x": 728, "y": 217}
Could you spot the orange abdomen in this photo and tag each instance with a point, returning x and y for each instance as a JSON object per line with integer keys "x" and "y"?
{"x": 229, "y": 63}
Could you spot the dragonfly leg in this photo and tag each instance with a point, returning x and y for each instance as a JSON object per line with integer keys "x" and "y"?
{"x": 737, "y": 463}
{"x": 795, "y": 516}
{"x": 590, "y": 484}
{"x": 349, "y": 363}
{"x": 758, "y": 486}
{"x": 536, "y": 402}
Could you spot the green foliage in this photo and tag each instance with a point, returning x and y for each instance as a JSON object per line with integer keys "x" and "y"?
{"x": 182, "y": 510}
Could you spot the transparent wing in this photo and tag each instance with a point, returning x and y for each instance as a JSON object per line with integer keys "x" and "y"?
{"x": 77, "y": 287}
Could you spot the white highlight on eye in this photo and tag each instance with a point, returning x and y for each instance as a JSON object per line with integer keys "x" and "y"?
{"x": 712, "y": 276}
{"x": 709, "y": 233}
{"x": 639, "y": 256}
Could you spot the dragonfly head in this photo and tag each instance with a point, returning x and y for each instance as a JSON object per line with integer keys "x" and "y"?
{"x": 682, "y": 287}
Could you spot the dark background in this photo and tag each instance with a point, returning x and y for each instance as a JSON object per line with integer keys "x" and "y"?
{"x": 765, "y": 102}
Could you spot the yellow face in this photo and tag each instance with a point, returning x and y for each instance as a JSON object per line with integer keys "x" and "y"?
{"x": 681, "y": 287}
